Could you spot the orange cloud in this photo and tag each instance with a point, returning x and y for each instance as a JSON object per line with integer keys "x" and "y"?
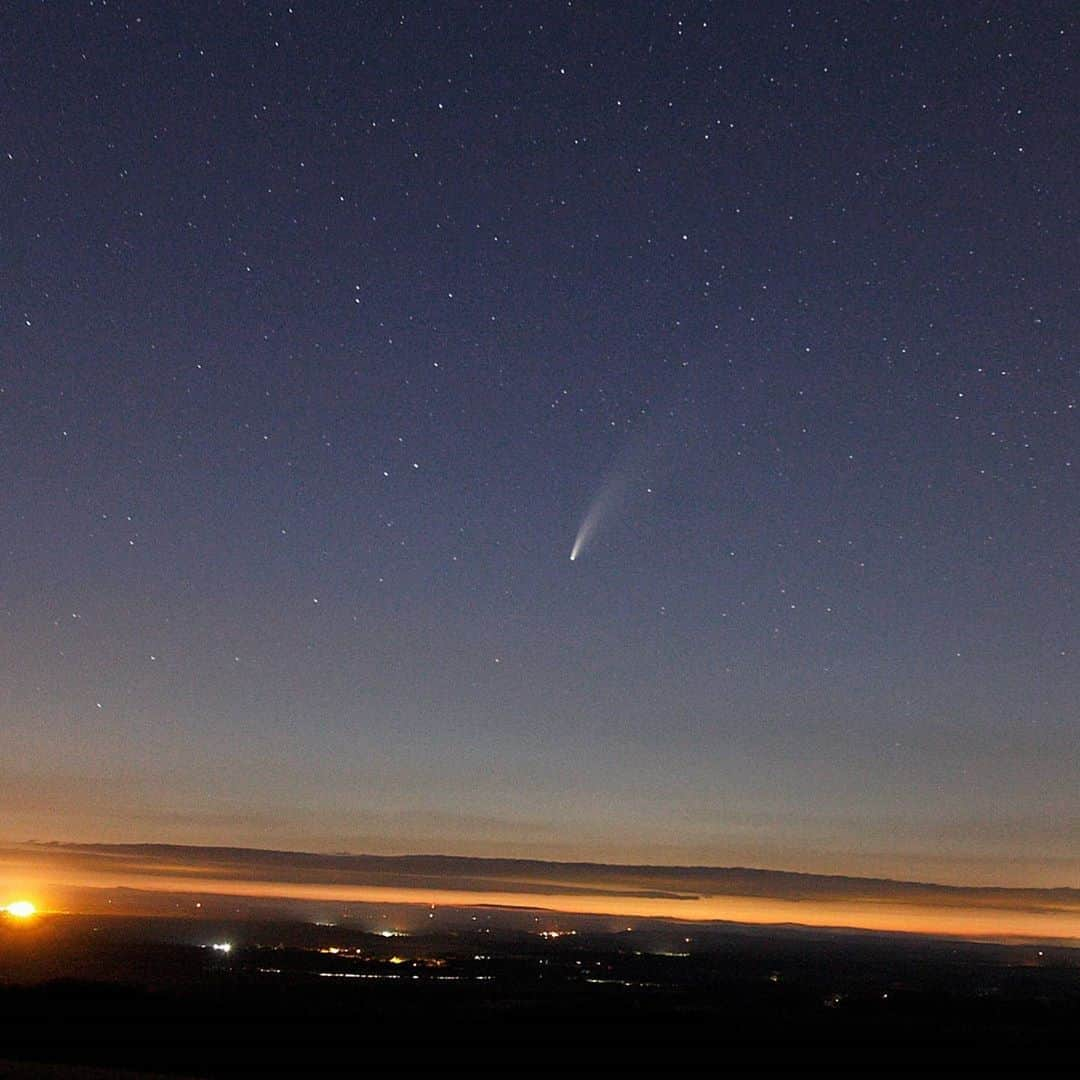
{"x": 690, "y": 893}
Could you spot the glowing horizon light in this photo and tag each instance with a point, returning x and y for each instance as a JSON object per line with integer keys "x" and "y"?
{"x": 21, "y": 909}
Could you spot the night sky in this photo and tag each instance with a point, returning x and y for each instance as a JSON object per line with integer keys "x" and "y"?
{"x": 327, "y": 330}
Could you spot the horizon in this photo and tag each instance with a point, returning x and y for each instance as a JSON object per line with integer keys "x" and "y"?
{"x": 162, "y": 873}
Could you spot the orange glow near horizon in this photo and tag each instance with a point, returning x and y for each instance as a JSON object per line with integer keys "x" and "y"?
{"x": 878, "y": 914}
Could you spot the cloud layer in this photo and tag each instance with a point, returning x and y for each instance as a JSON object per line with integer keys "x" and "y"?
{"x": 695, "y": 893}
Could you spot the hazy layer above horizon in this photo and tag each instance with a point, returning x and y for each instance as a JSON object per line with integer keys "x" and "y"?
{"x": 49, "y": 872}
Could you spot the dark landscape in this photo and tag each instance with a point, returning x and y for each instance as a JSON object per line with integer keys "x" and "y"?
{"x": 213, "y": 996}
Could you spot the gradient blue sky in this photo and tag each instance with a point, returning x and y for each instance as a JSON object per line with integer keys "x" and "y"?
{"x": 323, "y": 327}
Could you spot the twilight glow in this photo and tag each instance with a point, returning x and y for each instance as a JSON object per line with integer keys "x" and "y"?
{"x": 693, "y": 894}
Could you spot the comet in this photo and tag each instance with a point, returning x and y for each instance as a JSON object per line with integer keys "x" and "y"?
{"x": 651, "y": 448}
{"x": 582, "y": 537}
{"x": 600, "y": 508}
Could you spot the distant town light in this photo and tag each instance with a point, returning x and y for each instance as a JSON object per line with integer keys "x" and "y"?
{"x": 222, "y": 946}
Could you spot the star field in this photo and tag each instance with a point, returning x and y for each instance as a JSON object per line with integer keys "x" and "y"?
{"x": 324, "y": 325}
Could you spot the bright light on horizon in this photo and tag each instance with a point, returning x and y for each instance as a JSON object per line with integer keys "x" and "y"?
{"x": 21, "y": 909}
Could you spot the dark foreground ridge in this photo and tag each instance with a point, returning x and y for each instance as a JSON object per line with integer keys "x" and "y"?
{"x": 213, "y": 997}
